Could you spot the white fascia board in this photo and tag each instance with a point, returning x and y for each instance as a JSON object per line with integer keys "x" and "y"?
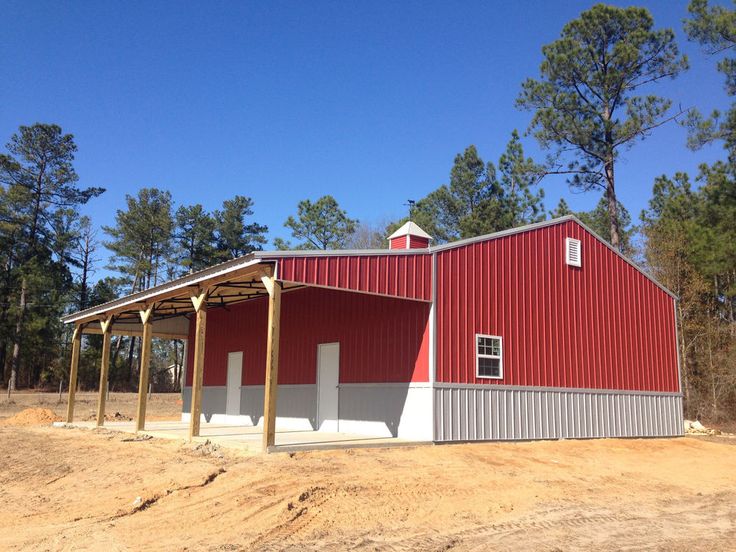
{"x": 272, "y": 255}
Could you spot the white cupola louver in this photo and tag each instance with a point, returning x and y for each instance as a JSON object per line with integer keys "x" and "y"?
{"x": 573, "y": 252}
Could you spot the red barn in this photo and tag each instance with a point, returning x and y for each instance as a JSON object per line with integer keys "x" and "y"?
{"x": 539, "y": 332}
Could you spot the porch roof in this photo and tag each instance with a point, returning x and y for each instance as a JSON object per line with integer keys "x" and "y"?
{"x": 229, "y": 282}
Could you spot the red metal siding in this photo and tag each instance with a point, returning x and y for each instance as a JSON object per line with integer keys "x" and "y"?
{"x": 416, "y": 242}
{"x": 382, "y": 339}
{"x": 397, "y": 243}
{"x": 408, "y": 276}
{"x": 601, "y": 326}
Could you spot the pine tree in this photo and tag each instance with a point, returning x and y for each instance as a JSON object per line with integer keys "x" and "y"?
{"x": 319, "y": 225}
{"x": 585, "y": 101}
{"x": 714, "y": 27}
{"x": 86, "y": 247}
{"x": 689, "y": 248}
{"x": 561, "y": 210}
{"x": 141, "y": 238}
{"x": 598, "y": 221}
{"x": 476, "y": 201}
{"x": 235, "y": 237}
{"x": 141, "y": 241}
{"x": 519, "y": 177}
{"x": 40, "y": 184}
{"x": 195, "y": 238}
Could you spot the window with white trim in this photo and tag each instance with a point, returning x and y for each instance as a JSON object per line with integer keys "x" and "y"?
{"x": 573, "y": 252}
{"x": 488, "y": 356}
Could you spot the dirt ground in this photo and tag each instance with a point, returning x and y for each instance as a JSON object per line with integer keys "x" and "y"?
{"x": 160, "y": 405}
{"x": 74, "y": 489}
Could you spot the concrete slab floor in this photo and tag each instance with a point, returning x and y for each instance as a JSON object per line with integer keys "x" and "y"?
{"x": 249, "y": 438}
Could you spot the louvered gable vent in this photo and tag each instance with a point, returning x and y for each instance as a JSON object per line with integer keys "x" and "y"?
{"x": 573, "y": 252}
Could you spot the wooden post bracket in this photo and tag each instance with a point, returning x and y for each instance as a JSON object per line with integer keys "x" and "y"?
{"x": 106, "y": 326}
{"x": 145, "y": 314}
{"x": 267, "y": 280}
{"x": 140, "y": 418}
{"x": 199, "y": 299}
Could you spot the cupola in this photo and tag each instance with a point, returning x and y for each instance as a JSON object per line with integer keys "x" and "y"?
{"x": 409, "y": 236}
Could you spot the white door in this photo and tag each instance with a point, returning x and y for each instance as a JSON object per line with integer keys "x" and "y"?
{"x": 234, "y": 380}
{"x": 328, "y": 378}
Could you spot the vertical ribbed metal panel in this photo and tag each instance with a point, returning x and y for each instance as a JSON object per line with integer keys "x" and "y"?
{"x": 501, "y": 413}
{"x": 601, "y": 326}
{"x": 402, "y": 275}
{"x": 382, "y": 339}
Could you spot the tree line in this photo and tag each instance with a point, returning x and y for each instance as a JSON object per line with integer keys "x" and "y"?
{"x": 593, "y": 99}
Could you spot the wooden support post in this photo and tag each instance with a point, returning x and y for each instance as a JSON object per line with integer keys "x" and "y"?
{"x": 272, "y": 361}
{"x": 106, "y": 326}
{"x": 200, "y": 307}
{"x": 73, "y": 369}
{"x": 140, "y": 417}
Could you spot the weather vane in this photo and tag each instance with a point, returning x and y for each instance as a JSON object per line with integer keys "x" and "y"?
{"x": 410, "y": 203}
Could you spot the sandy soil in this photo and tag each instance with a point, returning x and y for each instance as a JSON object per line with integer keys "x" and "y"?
{"x": 161, "y": 406}
{"x": 74, "y": 489}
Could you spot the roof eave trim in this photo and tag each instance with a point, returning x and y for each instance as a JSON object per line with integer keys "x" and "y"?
{"x": 271, "y": 255}
{"x": 502, "y": 233}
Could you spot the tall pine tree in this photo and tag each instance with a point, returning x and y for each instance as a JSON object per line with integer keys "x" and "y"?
{"x": 585, "y": 103}
{"x": 40, "y": 183}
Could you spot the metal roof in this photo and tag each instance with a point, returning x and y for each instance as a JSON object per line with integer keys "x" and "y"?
{"x": 180, "y": 283}
{"x": 409, "y": 228}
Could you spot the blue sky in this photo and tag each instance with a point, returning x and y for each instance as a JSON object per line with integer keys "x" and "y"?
{"x": 367, "y": 101}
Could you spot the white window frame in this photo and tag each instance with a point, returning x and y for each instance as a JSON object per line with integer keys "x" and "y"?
{"x": 568, "y": 242}
{"x": 478, "y": 356}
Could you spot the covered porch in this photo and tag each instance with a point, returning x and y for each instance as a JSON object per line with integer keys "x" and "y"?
{"x": 165, "y": 311}
{"x": 369, "y": 309}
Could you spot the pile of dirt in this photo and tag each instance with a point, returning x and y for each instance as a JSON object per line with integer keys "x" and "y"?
{"x": 117, "y": 417}
{"x": 208, "y": 448}
{"x": 32, "y": 416}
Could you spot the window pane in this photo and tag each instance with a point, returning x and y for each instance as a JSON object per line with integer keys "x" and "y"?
{"x": 489, "y": 346}
{"x": 489, "y": 367}
{"x": 495, "y": 347}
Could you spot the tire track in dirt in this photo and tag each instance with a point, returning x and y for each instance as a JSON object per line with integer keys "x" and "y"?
{"x": 62, "y": 491}
{"x": 566, "y": 523}
{"x": 299, "y": 518}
